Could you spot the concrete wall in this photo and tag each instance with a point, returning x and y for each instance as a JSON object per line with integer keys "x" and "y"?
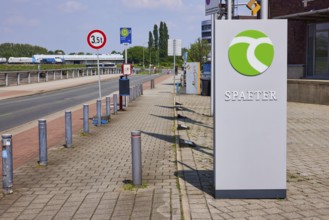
{"x": 308, "y": 91}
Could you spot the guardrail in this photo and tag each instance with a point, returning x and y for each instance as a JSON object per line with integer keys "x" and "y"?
{"x": 11, "y": 78}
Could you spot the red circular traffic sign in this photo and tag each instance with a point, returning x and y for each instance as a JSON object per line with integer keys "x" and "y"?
{"x": 96, "y": 39}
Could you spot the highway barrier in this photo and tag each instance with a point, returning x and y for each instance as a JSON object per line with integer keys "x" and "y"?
{"x": 13, "y": 78}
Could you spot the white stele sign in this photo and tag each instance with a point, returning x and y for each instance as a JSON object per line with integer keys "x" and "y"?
{"x": 174, "y": 47}
{"x": 193, "y": 78}
{"x": 250, "y": 108}
{"x": 212, "y": 6}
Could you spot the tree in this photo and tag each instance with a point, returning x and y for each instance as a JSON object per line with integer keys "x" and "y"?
{"x": 60, "y": 52}
{"x": 135, "y": 55}
{"x": 156, "y": 42}
{"x": 20, "y": 50}
{"x": 163, "y": 41}
{"x": 199, "y": 50}
{"x": 115, "y": 52}
{"x": 150, "y": 45}
{"x": 166, "y": 37}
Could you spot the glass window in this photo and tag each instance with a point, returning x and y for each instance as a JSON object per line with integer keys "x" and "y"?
{"x": 310, "y": 51}
{"x": 318, "y": 51}
{"x": 321, "y": 53}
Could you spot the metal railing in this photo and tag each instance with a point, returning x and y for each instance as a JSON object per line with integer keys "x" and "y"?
{"x": 11, "y": 78}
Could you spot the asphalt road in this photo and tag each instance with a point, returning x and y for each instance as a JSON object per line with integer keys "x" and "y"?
{"x": 17, "y": 111}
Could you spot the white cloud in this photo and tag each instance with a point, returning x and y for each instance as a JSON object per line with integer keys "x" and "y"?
{"x": 18, "y": 20}
{"x": 71, "y": 7}
{"x": 153, "y": 3}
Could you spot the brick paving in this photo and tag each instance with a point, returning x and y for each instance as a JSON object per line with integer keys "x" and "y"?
{"x": 307, "y": 166}
{"x": 88, "y": 181}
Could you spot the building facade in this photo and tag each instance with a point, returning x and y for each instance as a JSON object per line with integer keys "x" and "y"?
{"x": 308, "y": 34}
{"x": 206, "y": 31}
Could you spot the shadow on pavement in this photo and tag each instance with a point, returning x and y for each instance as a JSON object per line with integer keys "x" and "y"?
{"x": 199, "y": 148}
{"x": 164, "y": 117}
{"x": 168, "y": 138}
{"x": 201, "y": 179}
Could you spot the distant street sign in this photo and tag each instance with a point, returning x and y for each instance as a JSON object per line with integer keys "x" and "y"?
{"x": 125, "y": 35}
{"x": 127, "y": 69}
{"x": 212, "y": 6}
{"x": 96, "y": 39}
{"x": 174, "y": 47}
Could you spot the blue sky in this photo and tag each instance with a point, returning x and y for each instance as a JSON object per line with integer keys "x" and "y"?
{"x": 65, "y": 24}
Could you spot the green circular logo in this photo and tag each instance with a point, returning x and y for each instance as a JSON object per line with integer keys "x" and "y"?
{"x": 251, "y": 53}
{"x": 124, "y": 32}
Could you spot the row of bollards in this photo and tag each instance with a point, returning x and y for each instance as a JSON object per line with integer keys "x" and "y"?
{"x": 7, "y": 146}
{"x": 136, "y": 91}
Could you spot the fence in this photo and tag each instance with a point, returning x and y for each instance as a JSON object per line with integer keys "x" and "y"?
{"x": 11, "y": 78}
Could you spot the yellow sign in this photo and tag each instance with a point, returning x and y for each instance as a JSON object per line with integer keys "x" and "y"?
{"x": 253, "y": 6}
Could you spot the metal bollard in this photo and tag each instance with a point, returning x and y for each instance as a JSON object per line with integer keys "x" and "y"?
{"x": 85, "y": 118}
{"x": 68, "y": 129}
{"x": 115, "y": 103}
{"x": 152, "y": 83}
{"x": 99, "y": 111}
{"x": 7, "y": 164}
{"x": 142, "y": 89}
{"x": 134, "y": 92}
{"x": 43, "y": 158}
{"x": 136, "y": 152}
{"x": 108, "y": 104}
{"x": 131, "y": 95}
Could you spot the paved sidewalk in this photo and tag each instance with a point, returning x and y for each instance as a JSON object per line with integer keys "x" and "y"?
{"x": 87, "y": 182}
{"x": 307, "y": 166}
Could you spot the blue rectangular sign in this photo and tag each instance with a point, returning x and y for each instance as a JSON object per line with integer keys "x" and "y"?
{"x": 125, "y": 35}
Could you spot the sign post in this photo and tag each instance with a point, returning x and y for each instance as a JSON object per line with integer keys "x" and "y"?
{"x": 174, "y": 49}
{"x": 96, "y": 40}
{"x": 125, "y": 39}
{"x": 212, "y": 8}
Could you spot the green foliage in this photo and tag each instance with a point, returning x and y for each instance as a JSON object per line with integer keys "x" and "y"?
{"x": 198, "y": 51}
{"x": 156, "y": 36}
{"x": 20, "y": 50}
{"x": 135, "y": 55}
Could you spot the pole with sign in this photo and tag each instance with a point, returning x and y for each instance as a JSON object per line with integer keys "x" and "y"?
{"x": 174, "y": 49}
{"x": 125, "y": 39}
{"x": 96, "y": 40}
